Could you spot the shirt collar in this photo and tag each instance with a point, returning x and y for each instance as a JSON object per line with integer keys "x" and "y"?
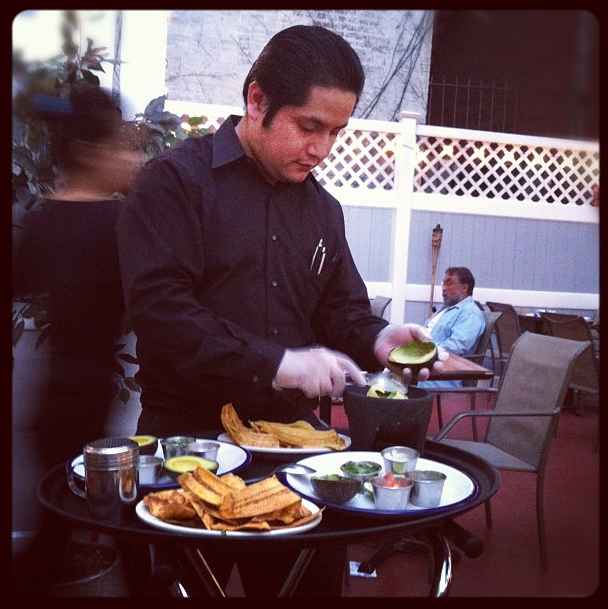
{"x": 227, "y": 148}
{"x": 226, "y": 144}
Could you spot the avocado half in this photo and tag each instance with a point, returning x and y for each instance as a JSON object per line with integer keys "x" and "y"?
{"x": 414, "y": 355}
{"x": 147, "y": 444}
{"x": 176, "y": 466}
{"x": 376, "y": 391}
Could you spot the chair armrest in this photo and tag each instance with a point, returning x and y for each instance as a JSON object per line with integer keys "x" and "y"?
{"x": 491, "y": 413}
{"x": 491, "y": 390}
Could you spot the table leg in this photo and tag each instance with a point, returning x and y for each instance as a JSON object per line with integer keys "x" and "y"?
{"x": 295, "y": 575}
{"x": 442, "y": 567}
{"x": 203, "y": 572}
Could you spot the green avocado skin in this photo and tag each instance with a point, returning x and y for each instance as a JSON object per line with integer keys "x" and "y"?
{"x": 147, "y": 444}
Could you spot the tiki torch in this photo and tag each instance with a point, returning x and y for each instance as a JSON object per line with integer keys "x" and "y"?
{"x": 435, "y": 245}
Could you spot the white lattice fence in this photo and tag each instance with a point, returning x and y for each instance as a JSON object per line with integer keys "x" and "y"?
{"x": 507, "y": 171}
{"x": 448, "y": 161}
{"x": 360, "y": 159}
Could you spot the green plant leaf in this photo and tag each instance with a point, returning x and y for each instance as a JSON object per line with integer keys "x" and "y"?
{"x": 127, "y": 357}
{"x": 118, "y": 369}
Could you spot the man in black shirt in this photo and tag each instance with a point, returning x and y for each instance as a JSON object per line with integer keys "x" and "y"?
{"x": 238, "y": 278}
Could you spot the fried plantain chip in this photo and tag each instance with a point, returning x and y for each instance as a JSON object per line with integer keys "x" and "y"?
{"x": 292, "y": 435}
{"x": 234, "y": 506}
{"x": 205, "y": 485}
{"x": 242, "y": 435}
{"x": 170, "y": 505}
{"x": 233, "y": 481}
{"x": 221, "y": 525}
{"x": 307, "y": 516}
{"x": 283, "y": 515}
{"x": 262, "y": 497}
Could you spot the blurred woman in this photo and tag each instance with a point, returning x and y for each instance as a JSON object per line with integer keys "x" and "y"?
{"x": 68, "y": 251}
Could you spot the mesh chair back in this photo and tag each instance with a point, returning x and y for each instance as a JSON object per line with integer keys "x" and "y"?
{"x": 586, "y": 371}
{"x": 536, "y": 377}
{"x": 508, "y": 328}
{"x": 484, "y": 343}
{"x": 491, "y": 318}
{"x": 379, "y": 304}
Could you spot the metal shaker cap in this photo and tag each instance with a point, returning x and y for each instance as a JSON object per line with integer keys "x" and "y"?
{"x": 111, "y": 454}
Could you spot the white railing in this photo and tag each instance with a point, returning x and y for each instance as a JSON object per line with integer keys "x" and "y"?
{"x": 407, "y": 167}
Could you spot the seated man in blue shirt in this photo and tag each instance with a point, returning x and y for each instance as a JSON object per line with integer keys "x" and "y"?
{"x": 459, "y": 324}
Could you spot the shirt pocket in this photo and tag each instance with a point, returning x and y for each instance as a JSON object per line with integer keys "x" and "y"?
{"x": 322, "y": 269}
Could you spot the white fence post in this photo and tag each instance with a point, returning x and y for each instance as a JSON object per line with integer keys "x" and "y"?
{"x": 144, "y": 56}
{"x": 405, "y": 162}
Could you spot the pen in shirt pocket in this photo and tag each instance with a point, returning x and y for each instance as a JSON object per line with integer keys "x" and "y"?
{"x": 318, "y": 257}
{"x": 323, "y": 249}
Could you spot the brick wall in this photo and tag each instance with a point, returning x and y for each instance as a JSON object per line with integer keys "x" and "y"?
{"x": 209, "y": 53}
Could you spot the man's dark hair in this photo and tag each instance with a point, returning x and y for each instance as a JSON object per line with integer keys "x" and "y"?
{"x": 298, "y": 58}
{"x": 464, "y": 276}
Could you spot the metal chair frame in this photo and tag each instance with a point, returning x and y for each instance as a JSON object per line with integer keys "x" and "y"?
{"x": 522, "y": 424}
{"x": 491, "y": 318}
{"x": 508, "y": 330}
{"x": 379, "y": 304}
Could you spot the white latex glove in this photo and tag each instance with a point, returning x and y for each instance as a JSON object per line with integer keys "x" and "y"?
{"x": 395, "y": 335}
{"x": 316, "y": 372}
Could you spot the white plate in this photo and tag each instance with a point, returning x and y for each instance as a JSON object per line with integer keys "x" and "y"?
{"x": 142, "y": 511}
{"x": 458, "y": 486}
{"x": 287, "y": 452}
{"x": 230, "y": 458}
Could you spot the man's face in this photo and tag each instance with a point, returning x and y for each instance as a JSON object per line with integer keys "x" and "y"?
{"x": 299, "y": 138}
{"x": 453, "y": 291}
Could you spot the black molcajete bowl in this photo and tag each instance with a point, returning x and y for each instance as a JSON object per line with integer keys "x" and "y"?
{"x": 375, "y": 423}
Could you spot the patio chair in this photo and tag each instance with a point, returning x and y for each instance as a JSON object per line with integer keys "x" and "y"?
{"x": 586, "y": 371}
{"x": 479, "y": 357}
{"x": 379, "y": 304}
{"x": 508, "y": 330}
{"x": 595, "y": 331}
{"x": 527, "y": 404}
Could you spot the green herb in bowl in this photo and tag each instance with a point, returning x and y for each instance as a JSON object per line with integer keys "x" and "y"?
{"x": 361, "y": 470}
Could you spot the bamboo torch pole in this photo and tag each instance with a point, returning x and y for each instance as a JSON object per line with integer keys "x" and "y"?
{"x": 435, "y": 245}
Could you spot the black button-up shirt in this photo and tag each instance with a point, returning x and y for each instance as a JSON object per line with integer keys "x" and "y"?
{"x": 220, "y": 276}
